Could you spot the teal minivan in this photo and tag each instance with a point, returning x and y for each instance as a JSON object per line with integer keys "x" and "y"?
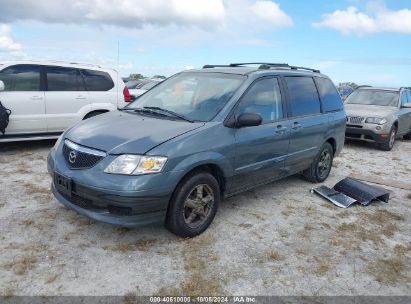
{"x": 196, "y": 138}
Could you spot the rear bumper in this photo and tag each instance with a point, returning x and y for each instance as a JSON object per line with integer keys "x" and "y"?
{"x": 126, "y": 211}
{"x": 364, "y": 134}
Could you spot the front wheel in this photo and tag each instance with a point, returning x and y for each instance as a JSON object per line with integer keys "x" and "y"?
{"x": 193, "y": 205}
{"x": 389, "y": 143}
{"x": 321, "y": 167}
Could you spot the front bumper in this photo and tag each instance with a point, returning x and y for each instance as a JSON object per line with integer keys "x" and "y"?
{"x": 123, "y": 207}
{"x": 126, "y": 211}
{"x": 364, "y": 134}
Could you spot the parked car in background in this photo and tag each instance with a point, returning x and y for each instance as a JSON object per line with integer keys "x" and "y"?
{"x": 195, "y": 138}
{"x": 47, "y": 97}
{"x": 344, "y": 91}
{"x": 136, "y": 83}
{"x": 379, "y": 115}
{"x": 144, "y": 87}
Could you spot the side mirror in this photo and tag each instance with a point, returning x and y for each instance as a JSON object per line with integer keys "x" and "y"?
{"x": 407, "y": 105}
{"x": 2, "y": 85}
{"x": 249, "y": 120}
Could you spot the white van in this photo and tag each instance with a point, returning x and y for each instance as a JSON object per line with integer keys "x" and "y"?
{"x": 47, "y": 97}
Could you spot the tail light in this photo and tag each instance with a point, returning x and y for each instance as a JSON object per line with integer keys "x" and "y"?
{"x": 126, "y": 94}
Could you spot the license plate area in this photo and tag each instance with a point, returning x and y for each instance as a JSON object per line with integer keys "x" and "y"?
{"x": 63, "y": 184}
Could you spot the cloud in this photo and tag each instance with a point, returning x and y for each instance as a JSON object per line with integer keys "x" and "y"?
{"x": 204, "y": 14}
{"x": 7, "y": 44}
{"x": 270, "y": 11}
{"x": 378, "y": 19}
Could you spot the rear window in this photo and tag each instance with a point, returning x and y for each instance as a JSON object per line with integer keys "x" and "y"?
{"x": 64, "y": 79}
{"x": 329, "y": 95}
{"x": 303, "y": 94}
{"x": 22, "y": 77}
{"x": 97, "y": 80}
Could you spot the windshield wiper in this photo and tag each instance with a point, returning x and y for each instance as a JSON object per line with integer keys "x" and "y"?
{"x": 170, "y": 112}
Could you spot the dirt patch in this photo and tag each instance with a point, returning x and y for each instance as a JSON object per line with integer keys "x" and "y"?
{"x": 197, "y": 254}
{"x": 390, "y": 270}
{"x": 322, "y": 265}
{"x": 141, "y": 245}
{"x": 22, "y": 264}
{"x": 276, "y": 256}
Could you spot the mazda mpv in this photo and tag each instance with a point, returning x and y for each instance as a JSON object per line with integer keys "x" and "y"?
{"x": 199, "y": 136}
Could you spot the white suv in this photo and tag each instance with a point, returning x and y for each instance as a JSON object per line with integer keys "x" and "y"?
{"x": 46, "y": 97}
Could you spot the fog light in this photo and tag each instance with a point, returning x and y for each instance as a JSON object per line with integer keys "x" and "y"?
{"x": 378, "y": 128}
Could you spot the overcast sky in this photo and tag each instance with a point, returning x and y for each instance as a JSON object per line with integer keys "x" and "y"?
{"x": 368, "y": 42}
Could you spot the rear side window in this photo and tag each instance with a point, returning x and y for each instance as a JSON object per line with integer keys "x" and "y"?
{"x": 404, "y": 98}
{"x": 409, "y": 96}
{"x": 97, "y": 80}
{"x": 22, "y": 77}
{"x": 64, "y": 79}
{"x": 329, "y": 95}
{"x": 303, "y": 94}
{"x": 264, "y": 98}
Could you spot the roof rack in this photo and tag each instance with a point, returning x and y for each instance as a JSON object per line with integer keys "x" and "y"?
{"x": 262, "y": 66}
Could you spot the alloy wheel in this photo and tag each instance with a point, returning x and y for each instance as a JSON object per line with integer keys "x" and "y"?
{"x": 324, "y": 163}
{"x": 198, "y": 205}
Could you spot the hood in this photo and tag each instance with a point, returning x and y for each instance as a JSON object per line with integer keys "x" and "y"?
{"x": 121, "y": 132}
{"x": 368, "y": 110}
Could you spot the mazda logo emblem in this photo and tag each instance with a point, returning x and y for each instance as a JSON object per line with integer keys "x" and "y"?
{"x": 72, "y": 157}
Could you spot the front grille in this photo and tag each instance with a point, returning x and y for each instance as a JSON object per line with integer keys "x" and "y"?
{"x": 79, "y": 157}
{"x": 355, "y": 120}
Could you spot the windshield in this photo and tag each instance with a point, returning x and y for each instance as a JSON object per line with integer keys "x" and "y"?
{"x": 374, "y": 97}
{"x": 196, "y": 96}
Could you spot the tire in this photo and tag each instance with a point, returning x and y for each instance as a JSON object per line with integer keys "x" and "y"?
{"x": 92, "y": 114}
{"x": 389, "y": 143}
{"x": 321, "y": 167}
{"x": 190, "y": 213}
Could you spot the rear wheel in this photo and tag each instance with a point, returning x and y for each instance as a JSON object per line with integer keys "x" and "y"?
{"x": 321, "y": 167}
{"x": 193, "y": 205}
{"x": 389, "y": 143}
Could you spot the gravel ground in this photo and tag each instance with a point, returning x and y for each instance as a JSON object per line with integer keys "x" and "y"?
{"x": 275, "y": 240}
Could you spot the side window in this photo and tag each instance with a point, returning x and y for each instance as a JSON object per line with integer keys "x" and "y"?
{"x": 97, "y": 80}
{"x": 22, "y": 77}
{"x": 264, "y": 98}
{"x": 329, "y": 95}
{"x": 404, "y": 98}
{"x": 409, "y": 96}
{"x": 64, "y": 79}
{"x": 304, "y": 98}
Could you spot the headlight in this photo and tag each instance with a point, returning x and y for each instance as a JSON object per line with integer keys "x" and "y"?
{"x": 129, "y": 164}
{"x": 376, "y": 120}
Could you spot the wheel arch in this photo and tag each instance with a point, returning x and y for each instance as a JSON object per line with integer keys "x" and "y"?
{"x": 333, "y": 143}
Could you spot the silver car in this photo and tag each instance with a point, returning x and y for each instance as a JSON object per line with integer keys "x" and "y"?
{"x": 379, "y": 115}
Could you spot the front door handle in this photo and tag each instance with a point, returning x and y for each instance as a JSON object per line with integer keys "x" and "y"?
{"x": 296, "y": 126}
{"x": 280, "y": 129}
{"x": 80, "y": 97}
